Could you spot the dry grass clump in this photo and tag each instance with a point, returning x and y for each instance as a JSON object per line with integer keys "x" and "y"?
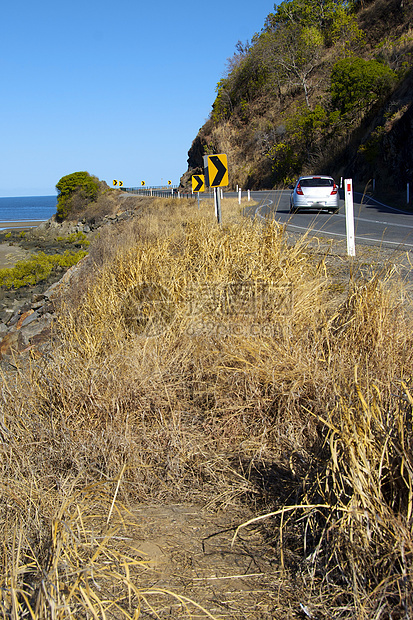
{"x": 89, "y": 568}
{"x": 213, "y": 364}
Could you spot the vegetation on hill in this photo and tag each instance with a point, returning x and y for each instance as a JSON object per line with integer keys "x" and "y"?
{"x": 225, "y": 366}
{"x": 75, "y": 192}
{"x": 325, "y": 86}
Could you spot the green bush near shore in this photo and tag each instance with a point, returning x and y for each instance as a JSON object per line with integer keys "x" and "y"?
{"x": 77, "y": 238}
{"x": 37, "y": 269}
{"x": 76, "y": 187}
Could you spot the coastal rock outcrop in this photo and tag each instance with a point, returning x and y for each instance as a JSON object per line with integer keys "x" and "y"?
{"x": 30, "y": 327}
{"x": 27, "y": 315}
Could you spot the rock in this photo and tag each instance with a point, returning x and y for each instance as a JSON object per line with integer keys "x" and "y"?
{"x": 52, "y": 291}
{"x": 25, "y": 307}
{"x": 46, "y": 308}
{"x": 38, "y": 297}
{"x": 37, "y": 305}
{"x": 36, "y": 332}
{"x": 14, "y": 318}
{"x": 5, "y": 314}
{"x": 11, "y": 343}
{"x": 29, "y": 318}
{"x": 23, "y": 317}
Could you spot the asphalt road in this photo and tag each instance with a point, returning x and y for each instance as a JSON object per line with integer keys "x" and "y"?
{"x": 374, "y": 222}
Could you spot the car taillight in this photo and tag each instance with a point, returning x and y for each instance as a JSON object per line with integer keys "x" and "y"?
{"x": 335, "y": 190}
{"x": 299, "y": 191}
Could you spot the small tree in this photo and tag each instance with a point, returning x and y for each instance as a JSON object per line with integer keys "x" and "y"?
{"x": 77, "y": 183}
{"x": 357, "y": 84}
{"x": 291, "y": 53}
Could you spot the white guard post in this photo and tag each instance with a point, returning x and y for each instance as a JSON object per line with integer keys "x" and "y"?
{"x": 348, "y": 198}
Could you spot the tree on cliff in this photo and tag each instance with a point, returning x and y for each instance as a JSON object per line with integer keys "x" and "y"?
{"x": 285, "y": 55}
{"x": 357, "y": 84}
{"x": 74, "y": 188}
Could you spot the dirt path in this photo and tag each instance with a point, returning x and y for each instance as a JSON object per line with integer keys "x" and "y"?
{"x": 188, "y": 551}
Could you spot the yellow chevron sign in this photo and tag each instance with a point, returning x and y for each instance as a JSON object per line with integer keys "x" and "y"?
{"x": 218, "y": 170}
{"x": 198, "y": 183}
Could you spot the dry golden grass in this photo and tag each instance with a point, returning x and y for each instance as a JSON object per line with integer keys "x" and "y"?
{"x": 214, "y": 364}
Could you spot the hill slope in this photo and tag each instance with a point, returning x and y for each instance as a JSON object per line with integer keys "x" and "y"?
{"x": 324, "y": 87}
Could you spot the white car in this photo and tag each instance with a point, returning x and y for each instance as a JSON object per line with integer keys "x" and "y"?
{"x": 314, "y": 192}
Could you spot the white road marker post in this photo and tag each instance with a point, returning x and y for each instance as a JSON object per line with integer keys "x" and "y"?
{"x": 348, "y": 199}
{"x": 239, "y": 196}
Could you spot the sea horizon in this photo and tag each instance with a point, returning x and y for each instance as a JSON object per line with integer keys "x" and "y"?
{"x": 26, "y": 209}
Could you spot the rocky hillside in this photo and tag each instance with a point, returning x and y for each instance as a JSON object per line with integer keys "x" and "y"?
{"x": 325, "y": 86}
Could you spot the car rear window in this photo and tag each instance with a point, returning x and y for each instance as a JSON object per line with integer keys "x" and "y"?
{"x": 316, "y": 182}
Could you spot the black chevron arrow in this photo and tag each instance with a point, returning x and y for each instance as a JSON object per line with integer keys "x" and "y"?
{"x": 221, "y": 170}
{"x": 200, "y": 181}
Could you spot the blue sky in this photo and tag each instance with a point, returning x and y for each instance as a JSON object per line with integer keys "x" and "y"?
{"x": 117, "y": 89}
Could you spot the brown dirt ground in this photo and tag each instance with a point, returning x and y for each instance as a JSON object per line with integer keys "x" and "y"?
{"x": 188, "y": 552}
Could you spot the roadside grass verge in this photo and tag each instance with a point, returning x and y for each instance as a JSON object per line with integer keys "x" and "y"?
{"x": 218, "y": 365}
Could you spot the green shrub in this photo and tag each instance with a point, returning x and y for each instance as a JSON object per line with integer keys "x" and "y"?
{"x": 77, "y": 183}
{"x": 76, "y": 238}
{"x": 356, "y": 84}
{"x": 37, "y": 268}
{"x": 305, "y": 132}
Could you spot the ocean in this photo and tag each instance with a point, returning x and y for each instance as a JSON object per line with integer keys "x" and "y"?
{"x": 24, "y": 208}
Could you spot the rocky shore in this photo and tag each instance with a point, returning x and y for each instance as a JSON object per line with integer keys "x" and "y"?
{"x": 28, "y": 327}
{"x": 27, "y": 313}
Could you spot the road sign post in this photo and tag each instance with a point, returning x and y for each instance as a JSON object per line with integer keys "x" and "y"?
{"x": 216, "y": 176}
{"x": 348, "y": 199}
{"x": 198, "y": 184}
{"x": 217, "y": 203}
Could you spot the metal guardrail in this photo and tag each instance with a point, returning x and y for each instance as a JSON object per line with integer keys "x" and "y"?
{"x": 161, "y": 192}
